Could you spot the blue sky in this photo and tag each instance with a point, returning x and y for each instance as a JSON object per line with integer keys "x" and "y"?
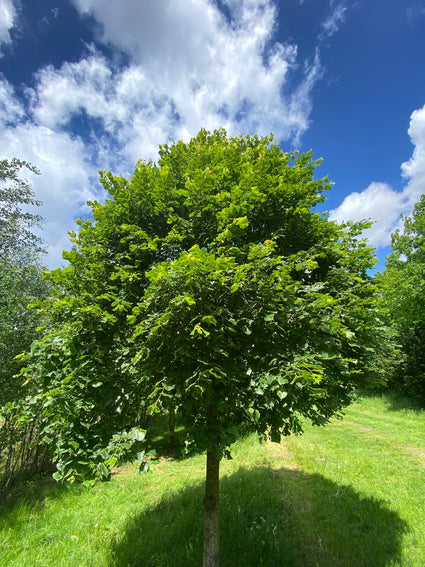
{"x": 97, "y": 84}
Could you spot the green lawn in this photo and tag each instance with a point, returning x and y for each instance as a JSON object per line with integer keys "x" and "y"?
{"x": 349, "y": 494}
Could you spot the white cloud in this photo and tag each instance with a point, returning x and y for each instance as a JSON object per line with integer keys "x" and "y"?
{"x": 65, "y": 184}
{"x": 61, "y": 94}
{"x": 380, "y": 202}
{"x": 8, "y": 15}
{"x": 119, "y": 108}
{"x": 211, "y": 71}
{"x": 189, "y": 67}
{"x": 11, "y": 109}
{"x": 333, "y": 22}
{"x": 414, "y": 169}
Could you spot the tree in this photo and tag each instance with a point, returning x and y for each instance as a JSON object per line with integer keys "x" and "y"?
{"x": 16, "y": 223}
{"x": 404, "y": 294}
{"x": 21, "y": 280}
{"x": 21, "y": 283}
{"x": 208, "y": 282}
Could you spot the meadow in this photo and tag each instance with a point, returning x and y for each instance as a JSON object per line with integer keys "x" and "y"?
{"x": 351, "y": 494}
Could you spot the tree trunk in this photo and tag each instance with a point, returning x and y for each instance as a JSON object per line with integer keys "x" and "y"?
{"x": 212, "y": 512}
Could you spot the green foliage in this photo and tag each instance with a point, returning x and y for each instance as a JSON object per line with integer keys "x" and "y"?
{"x": 16, "y": 220}
{"x": 405, "y": 269}
{"x": 404, "y": 294}
{"x": 207, "y": 281}
{"x": 78, "y": 461}
{"x": 87, "y": 411}
{"x": 21, "y": 284}
{"x": 20, "y": 272}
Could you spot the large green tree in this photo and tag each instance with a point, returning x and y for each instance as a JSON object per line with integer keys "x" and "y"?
{"x": 404, "y": 295}
{"x": 207, "y": 282}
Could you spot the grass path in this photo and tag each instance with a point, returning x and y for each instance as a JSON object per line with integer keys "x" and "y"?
{"x": 351, "y": 494}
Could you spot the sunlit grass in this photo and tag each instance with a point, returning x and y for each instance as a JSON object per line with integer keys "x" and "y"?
{"x": 349, "y": 494}
{"x": 380, "y": 454}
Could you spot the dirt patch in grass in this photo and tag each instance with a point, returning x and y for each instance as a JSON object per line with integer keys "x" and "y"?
{"x": 359, "y": 427}
{"x": 369, "y": 431}
{"x": 281, "y": 452}
{"x": 123, "y": 470}
{"x": 416, "y": 451}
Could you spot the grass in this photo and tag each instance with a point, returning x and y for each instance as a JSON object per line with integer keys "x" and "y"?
{"x": 349, "y": 494}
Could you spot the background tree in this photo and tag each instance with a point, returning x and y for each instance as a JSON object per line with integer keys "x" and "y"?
{"x": 208, "y": 282}
{"x": 21, "y": 283}
{"x": 404, "y": 295}
{"x": 20, "y": 272}
{"x": 17, "y": 222}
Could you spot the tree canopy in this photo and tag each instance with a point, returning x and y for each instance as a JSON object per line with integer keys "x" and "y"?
{"x": 210, "y": 282}
{"x": 405, "y": 268}
{"x": 404, "y": 294}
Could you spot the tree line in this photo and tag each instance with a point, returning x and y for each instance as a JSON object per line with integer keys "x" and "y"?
{"x": 207, "y": 284}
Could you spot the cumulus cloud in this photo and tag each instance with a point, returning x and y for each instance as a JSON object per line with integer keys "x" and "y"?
{"x": 188, "y": 65}
{"x": 211, "y": 70}
{"x": 11, "y": 108}
{"x": 65, "y": 184}
{"x": 67, "y": 176}
{"x": 414, "y": 169}
{"x": 381, "y": 203}
{"x": 7, "y": 20}
{"x": 116, "y": 108}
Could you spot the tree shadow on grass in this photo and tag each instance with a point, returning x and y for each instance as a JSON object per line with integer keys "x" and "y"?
{"x": 396, "y": 401}
{"x": 26, "y": 497}
{"x": 269, "y": 518}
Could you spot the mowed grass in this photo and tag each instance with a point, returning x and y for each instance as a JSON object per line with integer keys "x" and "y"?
{"x": 349, "y": 494}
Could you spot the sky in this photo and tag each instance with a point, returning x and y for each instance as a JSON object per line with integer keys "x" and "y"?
{"x": 88, "y": 85}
